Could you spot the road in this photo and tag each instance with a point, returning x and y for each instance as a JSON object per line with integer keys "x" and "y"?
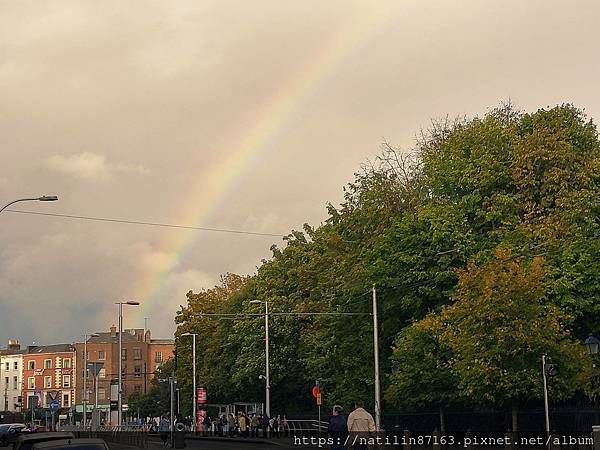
{"x": 233, "y": 444}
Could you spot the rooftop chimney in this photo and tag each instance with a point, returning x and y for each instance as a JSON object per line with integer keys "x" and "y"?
{"x": 113, "y": 331}
{"x": 13, "y": 345}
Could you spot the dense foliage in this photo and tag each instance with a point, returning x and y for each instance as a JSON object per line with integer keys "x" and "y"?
{"x": 482, "y": 243}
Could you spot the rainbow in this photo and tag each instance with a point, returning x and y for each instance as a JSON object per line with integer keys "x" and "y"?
{"x": 213, "y": 187}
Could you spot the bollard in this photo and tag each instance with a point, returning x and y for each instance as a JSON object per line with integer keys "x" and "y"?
{"x": 436, "y": 435}
{"x": 596, "y": 436}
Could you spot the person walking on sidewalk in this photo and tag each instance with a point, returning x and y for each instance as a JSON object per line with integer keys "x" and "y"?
{"x": 360, "y": 425}
{"x": 338, "y": 428}
{"x": 164, "y": 427}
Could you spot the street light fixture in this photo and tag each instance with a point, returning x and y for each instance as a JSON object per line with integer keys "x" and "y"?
{"x": 43, "y": 198}
{"x": 120, "y": 394}
{"x": 194, "y": 394}
{"x": 592, "y": 343}
{"x": 267, "y": 364}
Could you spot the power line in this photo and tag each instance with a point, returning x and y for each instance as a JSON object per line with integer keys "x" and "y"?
{"x": 137, "y": 222}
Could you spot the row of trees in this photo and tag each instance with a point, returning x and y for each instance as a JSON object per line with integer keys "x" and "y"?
{"x": 483, "y": 243}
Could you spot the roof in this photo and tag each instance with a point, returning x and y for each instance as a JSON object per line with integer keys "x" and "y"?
{"x": 55, "y": 348}
{"x": 7, "y": 352}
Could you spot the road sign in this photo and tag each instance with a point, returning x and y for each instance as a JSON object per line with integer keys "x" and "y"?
{"x": 54, "y": 405}
{"x": 319, "y": 399}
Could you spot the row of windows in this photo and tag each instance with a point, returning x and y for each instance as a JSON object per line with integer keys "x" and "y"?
{"x": 66, "y": 382}
{"x": 137, "y": 354}
{"x": 66, "y": 364}
{"x": 15, "y": 384}
{"x": 15, "y": 365}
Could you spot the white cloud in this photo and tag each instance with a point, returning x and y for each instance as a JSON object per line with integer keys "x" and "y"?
{"x": 91, "y": 166}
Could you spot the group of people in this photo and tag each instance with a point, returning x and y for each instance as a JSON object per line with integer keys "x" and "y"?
{"x": 342, "y": 430}
{"x": 252, "y": 425}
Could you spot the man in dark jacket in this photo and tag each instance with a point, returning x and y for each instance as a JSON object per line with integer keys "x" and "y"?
{"x": 338, "y": 428}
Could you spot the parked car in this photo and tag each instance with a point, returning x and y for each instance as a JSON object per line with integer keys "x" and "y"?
{"x": 9, "y": 432}
{"x": 27, "y": 441}
{"x": 72, "y": 444}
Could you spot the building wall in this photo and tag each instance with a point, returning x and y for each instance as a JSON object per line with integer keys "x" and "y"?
{"x": 11, "y": 380}
{"x": 49, "y": 373}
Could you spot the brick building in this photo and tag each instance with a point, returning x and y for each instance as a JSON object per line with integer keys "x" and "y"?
{"x": 11, "y": 380}
{"x": 141, "y": 356}
{"x": 49, "y": 373}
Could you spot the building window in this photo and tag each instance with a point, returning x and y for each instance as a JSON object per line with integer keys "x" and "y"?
{"x": 101, "y": 355}
{"x": 66, "y": 363}
{"x": 137, "y": 371}
{"x": 124, "y": 354}
{"x": 31, "y": 365}
{"x": 47, "y": 382}
{"x": 65, "y": 401}
{"x": 6, "y": 381}
{"x": 66, "y": 381}
{"x": 137, "y": 388}
{"x": 7, "y": 366}
{"x": 102, "y": 373}
{"x": 31, "y": 383}
{"x": 124, "y": 370}
{"x": 47, "y": 364}
{"x": 16, "y": 366}
{"x": 137, "y": 353}
{"x": 101, "y": 393}
{"x": 15, "y": 382}
{"x": 159, "y": 357}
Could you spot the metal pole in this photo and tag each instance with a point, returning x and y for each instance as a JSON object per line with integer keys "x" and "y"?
{"x": 120, "y": 394}
{"x": 546, "y": 408}
{"x": 267, "y": 374}
{"x": 376, "y": 357}
{"x": 85, "y": 370}
{"x": 194, "y": 395}
{"x": 96, "y": 412}
{"x": 172, "y": 418}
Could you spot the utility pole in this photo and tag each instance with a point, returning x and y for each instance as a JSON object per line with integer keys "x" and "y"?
{"x": 376, "y": 363}
{"x": 85, "y": 384}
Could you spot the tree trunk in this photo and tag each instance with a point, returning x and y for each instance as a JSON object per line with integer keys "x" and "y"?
{"x": 442, "y": 421}
{"x": 515, "y": 424}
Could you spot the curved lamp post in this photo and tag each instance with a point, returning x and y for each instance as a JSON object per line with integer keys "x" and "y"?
{"x": 592, "y": 343}
{"x": 43, "y": 198}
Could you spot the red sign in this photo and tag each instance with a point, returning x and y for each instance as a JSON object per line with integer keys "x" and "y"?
{"x": 316, "y": 391}
{"x": 201, "y": 396}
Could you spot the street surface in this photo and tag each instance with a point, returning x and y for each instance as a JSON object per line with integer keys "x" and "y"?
{"x": 197, "y": 444}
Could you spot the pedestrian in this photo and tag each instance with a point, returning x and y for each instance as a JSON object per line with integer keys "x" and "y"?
{"x": 286, "y": 426}
{"x": 254, "y": 425}
{"x": 276, "y": 422}
{"x": 264, "y": 424}
{"x": 231, "y": 424}
{"x": 360, "y": 426}
{"x": 164, "y": 427}
{"x": 338, "y": 428}
{"x": 243, "y": 421}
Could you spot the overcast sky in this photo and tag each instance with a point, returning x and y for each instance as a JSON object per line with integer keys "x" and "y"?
{"x": 246, "y": 115}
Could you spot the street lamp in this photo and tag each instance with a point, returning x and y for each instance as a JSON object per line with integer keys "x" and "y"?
{"x": 120, "y": 394}
{"x": 43, "y": 198}
{"x": 194, "y": 398}
{"x": 267, "y": 375}
{"x": 592, "y": 343}
{"x": 85, "y": 372}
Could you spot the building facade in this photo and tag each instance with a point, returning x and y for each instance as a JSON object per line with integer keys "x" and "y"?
{"x": 11, "y": 379}
{"x": 49, "y": 376}
{"x": 141, "y": 355}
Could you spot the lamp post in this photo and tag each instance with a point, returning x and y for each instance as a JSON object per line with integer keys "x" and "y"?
{"x": 592, "y": 344}
{"x": 120, "y": 393}
{"x": 85, "y": 372}
{"x": 194, "y": 398}
{"x": 267, "y": 375}
{"x": 43, "y": 198}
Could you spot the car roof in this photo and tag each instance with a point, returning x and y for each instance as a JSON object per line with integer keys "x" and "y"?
{"x": 64, "y": 443}
{"x": 45, "y": 436}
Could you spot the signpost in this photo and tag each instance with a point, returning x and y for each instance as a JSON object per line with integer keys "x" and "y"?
{"x": 316, "y": 392}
